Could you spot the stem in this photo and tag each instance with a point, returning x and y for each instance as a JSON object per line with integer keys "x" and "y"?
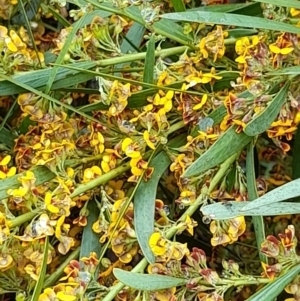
{"x": 26, "y": 217}
{"x": 204, "y": 192}
{"x": 242, "y": 282}
{"x": 101, "y": 180}
{"x": 140, "y": 56}
{"x": 56, "y": 275}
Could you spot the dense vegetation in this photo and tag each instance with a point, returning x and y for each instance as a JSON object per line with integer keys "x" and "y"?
{"x": 149, "y": 150}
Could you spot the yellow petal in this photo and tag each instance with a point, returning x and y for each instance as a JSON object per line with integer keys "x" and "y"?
{"x": 126, "y": 142}
{"x": 97, "y": 170}
{"x": 12, "y": 171}
{"x": 286, "y": 50}
{"x": 63, "y": 297}
{"x": 10, "y": 45}
{"x": 5, "y": 160}
{"x": 136, "y": 171}
{"x": 273, "y": 48}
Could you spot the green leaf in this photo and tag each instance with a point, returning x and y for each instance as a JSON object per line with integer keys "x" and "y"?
{"x": 133, "y": 39}
{"x": 149, "y": 62}
{"x": 232, "y": 20}
{"x": 37, "y": 78}
{"x": 147, "y": 282}
{"x": 144, "y": 205}
{"x": 8, "y": 114}
{"x": 178, "y": 5}
{"x": 228, "y": 144}
{"x": 284, "y": 3}
{"x": 263, "y": 120}
{"x": 232, "y": 209}
{"x": 294, "y": 70}
{"x": 296, "y": 155}
{"x": 8, "y": 137}
{"x": 241, "y": 32}
{"x": 275, "y": 287}
{"x": 218, "y": 114}
{"x": 90, "y": 239}
{"x": 224, "y": 8}
{"x": 39, "y": 284}
{"x": 29, "y": 12}
{"x": 72, "y": 80}
{"x": 257, "y": 221}
{"x": 284, "y": 192}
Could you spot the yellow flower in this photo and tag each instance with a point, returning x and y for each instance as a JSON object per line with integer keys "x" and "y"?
{"x": 294, "y": 12}
{"x": 201, "y": 78}
{"x": 190, "y": 224}
{"x": 6, "y": 262}
{"x": 6, "y": 172}
{"x": 277, "y": 50}
{"x": 47, "y": 295}
{"x": 97, "y": 139}
{"x": 130, "y": 148}
{"x": 165, "y": 100}
{"x": 157, "y": 244}
{"x": 201, "y": 104}
{"x": 166, "y": 294}
{"x": 66, "y": 293}
{"x": 146, "y": 137}
{"x": 27, "y": 180}
{"x": 18, "y": 194}
{"x": 91, "y": 173}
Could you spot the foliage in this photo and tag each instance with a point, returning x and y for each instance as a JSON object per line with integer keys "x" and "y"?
{"x": 149, "y": 150}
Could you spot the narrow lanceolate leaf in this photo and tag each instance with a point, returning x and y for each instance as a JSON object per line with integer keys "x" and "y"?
{"x": 147, "y": 282}
{"x": 296, "y": 155}
{"x": 149, "y": 62}
{"x": 294, "y": 70}
{"x": 39, "y": 284}
{"x": 232, "y": 20}
{"x": 257, "y": 221}
{"x": 144, "y": 205}
{"x": 284, "y": 3}
{"x": 90, "y": 240}
{"x": 228, "y": 144}
{"x": 133, "y": 39}
{"x": 224, "y": 8}
{"x": 8, "y": 137}
{"x": 178, "y": 5}
{"x": 263, "y": 120}
{"x": 284, "y": 192}
{"x": 232, "y": 209}
{"x": 274, "y": 288}
{"x": 38, "y": 78}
